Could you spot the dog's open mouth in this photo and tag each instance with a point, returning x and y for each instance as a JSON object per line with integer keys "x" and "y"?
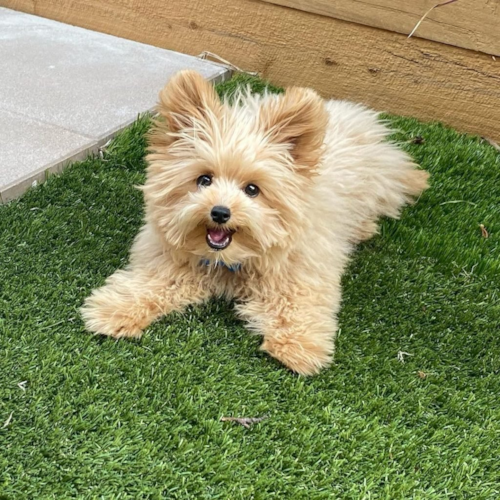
{"x": 218, "y": 239}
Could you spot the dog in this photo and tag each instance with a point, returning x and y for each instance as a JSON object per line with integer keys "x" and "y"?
{"x": 260, "y": 200}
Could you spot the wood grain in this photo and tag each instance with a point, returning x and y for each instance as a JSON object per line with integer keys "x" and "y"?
{"x": 471, "y": 24}
{"x": 382, "y": 69}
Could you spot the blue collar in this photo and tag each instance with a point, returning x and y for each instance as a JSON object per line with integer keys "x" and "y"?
{"x": 233, "y": 268}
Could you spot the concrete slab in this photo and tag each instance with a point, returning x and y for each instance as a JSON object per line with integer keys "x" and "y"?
{"x": 28, "y": 147}
{"x": 64, "y": 89}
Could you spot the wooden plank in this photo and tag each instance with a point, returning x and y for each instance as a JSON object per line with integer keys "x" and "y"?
{"x": 344, "y": 60}
{"x": 471, "y": 24}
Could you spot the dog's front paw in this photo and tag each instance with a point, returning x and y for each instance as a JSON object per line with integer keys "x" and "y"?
{"x": 301, "y": 356}
{"x": 103, "y": 318}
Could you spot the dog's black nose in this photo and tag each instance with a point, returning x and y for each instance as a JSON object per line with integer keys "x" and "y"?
{"x": 220, "y": 214}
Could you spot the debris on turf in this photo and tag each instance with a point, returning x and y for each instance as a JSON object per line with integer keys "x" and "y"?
{"x": 244, "y": 421}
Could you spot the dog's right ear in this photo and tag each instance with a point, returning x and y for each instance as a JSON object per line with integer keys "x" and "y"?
{"x": 186, "y": 99}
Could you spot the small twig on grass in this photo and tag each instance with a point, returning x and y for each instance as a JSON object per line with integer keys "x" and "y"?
{"x": 244, "y": 421}
{"x": 22, "y": 385}
{"x": 401, "y": 356}
{"x": 205, "y": 55}
{"x": 47, "y": 327}
{"x": 8, "y": 421}
{"x": 458, "y": 201}
{"x": 484, "y": 231}
{"x": 427, "y": 13}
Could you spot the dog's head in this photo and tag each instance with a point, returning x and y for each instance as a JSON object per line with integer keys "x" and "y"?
{"x": 229, "y": 181}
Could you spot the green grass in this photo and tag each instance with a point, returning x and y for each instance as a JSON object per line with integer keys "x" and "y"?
{"x": 106, "y": 419}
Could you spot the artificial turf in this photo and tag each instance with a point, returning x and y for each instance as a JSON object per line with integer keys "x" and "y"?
{"x": 94, "y": 418}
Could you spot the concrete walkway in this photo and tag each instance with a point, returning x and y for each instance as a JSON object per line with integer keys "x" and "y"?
{"x": 64, "y": 91}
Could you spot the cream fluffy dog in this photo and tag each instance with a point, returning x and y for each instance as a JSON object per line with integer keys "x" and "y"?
{"x": 261, "y": 201}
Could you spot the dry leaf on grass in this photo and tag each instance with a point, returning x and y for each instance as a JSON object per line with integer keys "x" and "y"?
{"x": 417, "y": 140}
{"x": 484, "y": 231}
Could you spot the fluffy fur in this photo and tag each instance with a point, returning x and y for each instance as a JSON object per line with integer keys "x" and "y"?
{"x": 326, "y": 175}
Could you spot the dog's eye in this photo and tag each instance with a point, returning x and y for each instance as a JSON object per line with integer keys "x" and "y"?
{"x": 204, "y": 180}
{"x": 252, "y": 190}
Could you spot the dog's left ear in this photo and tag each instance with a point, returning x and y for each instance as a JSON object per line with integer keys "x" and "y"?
{"x": 188, "y": 98}
{"x": 299, "y": 119}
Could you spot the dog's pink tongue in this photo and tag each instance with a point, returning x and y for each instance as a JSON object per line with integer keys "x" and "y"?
{"x": 217, "y": 235}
